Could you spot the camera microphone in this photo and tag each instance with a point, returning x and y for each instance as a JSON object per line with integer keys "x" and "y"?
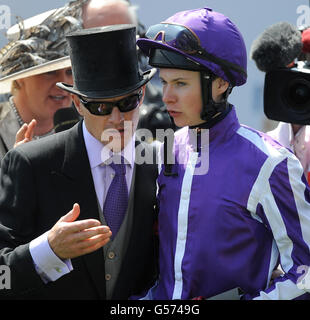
{"x": 277, "y": 47}
{"x": 287, "y": 82}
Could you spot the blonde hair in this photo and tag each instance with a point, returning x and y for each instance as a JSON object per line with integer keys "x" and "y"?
{"x": 14, "y": 87}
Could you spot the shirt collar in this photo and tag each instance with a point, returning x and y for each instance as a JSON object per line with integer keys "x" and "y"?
{"x": 98, "y": 153}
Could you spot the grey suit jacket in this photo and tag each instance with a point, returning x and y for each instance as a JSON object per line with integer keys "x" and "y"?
{"x": 8, "y": 128}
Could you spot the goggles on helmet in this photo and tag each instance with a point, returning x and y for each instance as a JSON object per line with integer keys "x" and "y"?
{"x": 182, "y": 38}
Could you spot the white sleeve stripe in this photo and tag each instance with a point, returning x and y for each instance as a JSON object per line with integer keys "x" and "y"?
{"x": 258, "y": 141}
{"x": 274, "y": 255}
{"x": 278, "y": 155}
{"x": 284, "y": 290}
{"x": 261, "y": 193}
{"x": 303, "y": 207}
{"x": 261, "y": 181}
{"x": 277, "y": 225}
{"x": 182, "y": 224}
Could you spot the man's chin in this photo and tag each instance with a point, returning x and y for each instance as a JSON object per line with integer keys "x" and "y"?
{"x": 116, "y": 144}
{"x": 116, "y": 139}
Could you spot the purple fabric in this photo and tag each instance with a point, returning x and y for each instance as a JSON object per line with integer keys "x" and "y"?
{"x": 227, "y": 245}
{"x": 116, "y": 201}
{"x": 218, "y": 36}
{"x": 286, "y": 204}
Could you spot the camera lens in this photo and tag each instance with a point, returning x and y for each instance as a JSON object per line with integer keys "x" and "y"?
{"x": 298, "y": 94}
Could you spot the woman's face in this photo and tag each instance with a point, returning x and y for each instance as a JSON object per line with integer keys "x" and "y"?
{"x": 182, "y": 95}
{"x": 40, "y": 97}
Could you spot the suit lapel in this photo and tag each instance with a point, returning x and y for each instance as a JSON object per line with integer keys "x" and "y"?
{"x": 77, "y": 173}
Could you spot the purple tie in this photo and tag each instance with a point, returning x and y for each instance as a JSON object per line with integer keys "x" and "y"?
{"x": 116, "y": 201}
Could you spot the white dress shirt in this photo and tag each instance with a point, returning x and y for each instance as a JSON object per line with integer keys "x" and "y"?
{"x": 103, "y": 174}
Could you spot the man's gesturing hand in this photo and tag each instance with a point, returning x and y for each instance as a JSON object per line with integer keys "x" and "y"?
{"x": 69, "y": 238}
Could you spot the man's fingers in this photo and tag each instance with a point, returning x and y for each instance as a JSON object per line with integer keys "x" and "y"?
{"x": 85, "y": 238}
{"x": 87, "y": 234}
{"x": 95, "y": 239}
{"x": 72, "y": 215}
{"x": 70, "y": 238}
{"x": 92, "y": 244}
{"x": 69, "y": 224}
{"x": 80, "y": 243}
{"x": 81, "y": 225}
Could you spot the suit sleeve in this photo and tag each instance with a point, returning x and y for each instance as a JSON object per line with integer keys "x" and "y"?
{"x": 17, "y": 222}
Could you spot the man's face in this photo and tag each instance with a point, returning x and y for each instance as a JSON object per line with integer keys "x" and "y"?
{"x": 182, "y": 95}
{"x": 114, "y": 130}
{"x": 40, "y": 98}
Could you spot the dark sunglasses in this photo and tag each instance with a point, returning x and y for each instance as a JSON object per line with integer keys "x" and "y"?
{"x": 104, "y": 108}
{"x": 184, "y": 39}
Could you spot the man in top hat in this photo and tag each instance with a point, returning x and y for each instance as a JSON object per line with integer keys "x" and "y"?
{"x": 76, "y": 207}
{"x": 31, "y": 65}
{"x": 99, "y": 13}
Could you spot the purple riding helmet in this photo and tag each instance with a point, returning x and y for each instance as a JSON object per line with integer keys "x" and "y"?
{"x": 199, "y": 40}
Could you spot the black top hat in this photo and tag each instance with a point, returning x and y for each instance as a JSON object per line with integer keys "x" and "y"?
{"x": 104, "y": 62}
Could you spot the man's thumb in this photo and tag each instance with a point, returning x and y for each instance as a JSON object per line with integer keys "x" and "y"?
{"x": 72, "y": 215}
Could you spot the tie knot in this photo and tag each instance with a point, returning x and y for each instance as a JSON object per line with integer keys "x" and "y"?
{"x": 119, "y": 166}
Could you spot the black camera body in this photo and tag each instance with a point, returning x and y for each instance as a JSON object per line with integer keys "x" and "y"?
{"x": 287, "y": 94}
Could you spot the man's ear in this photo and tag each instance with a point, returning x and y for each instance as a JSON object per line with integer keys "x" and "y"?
{"x": 219, "y": 87}
{"x": 143, "y": 94}
{"x": 222, "y": 85}
{"x": 78, "y": 104}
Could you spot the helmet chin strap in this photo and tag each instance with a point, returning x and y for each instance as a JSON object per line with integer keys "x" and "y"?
{"x": 212, "y": 113}
{"x": 210, "y": 108}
